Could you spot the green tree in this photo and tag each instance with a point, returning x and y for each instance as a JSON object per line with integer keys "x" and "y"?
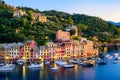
{"x": 81, "y": 27}
{"x": 70, "y": 21}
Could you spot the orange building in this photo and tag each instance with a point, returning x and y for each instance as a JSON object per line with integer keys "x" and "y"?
{"x": 88, "y": 48}
{"x": 62, "y": 35}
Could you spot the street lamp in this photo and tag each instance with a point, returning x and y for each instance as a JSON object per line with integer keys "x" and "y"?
{"x": 6, "y": 59}
{"x": 24, "y": 58}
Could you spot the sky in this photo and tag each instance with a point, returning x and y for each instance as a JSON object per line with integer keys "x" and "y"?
{"x": 108, "y": 10}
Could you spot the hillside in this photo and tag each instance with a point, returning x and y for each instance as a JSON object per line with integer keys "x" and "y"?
{"x": 96, "y": 26}
{"x": 22, "y": 28}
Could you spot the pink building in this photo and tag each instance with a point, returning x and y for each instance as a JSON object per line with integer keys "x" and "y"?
{"x": 51, "y": 50}
{"x": 62, "y": 35}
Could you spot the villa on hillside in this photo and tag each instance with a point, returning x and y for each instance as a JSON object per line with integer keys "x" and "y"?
{"x": 39, "y": 17}
{"x": 19, "y": 13}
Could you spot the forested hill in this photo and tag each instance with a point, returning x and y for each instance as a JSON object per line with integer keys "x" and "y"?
{"x": 96, "y": 26}
{"x": 15, "y": 29}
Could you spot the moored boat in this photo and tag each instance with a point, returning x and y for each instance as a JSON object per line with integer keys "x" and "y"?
{"x": 2, "y": 64}
{"x": 21, "y": 61}
{"x": 60, "y": 63}
{"x": 54, "y": 68}
{"x": 108, "y": 56}
{"x": 98, "y": 60}
{"x": 47, "y": 62}
{"x": 116, "y": 55}
{"x": 89, "y": 63}
{"x": 68, "y": 65}
{"x": 102, "y": 63}
{"x": 117, "y": 58}
{"x": 115, "y": 62}
{"x": 32, "y": 65}
{"x": 7, "y": 67}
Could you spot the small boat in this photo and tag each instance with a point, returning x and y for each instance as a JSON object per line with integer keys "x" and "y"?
{"x": 47, "y": 62}
{"x": 108, "y": 56}
{"x": 117, "y": 58}
{"x": 116, "y": 55}
{"x": 7, "y": 67}
{"x": 54, "y": 68}
{"x": 2, "y": 64}
{"x": 115, "y": 62}
{"x": 60, "y": 63}
{"x": 102, "y": 63}
{"x": 73, "y": 61}
{"x": 21, "y": 61}
{"x": 11, "y": 65}
{"x": 89, "y": 63}
{"x": 34, "y": 65}
{"x": 80, "y": 62}
{"x": 68, "y": 65}
{"x": 98, "y": 60}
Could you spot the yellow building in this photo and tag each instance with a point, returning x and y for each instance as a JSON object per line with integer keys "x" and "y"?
{"x": 27, "y": 53}
{"x": 39, "y": 17}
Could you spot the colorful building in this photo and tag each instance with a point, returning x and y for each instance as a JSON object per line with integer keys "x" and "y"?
{"x": 87, "y": 47}
{"x": 44, "y": 55}
{"x": 25, "y": 51}
{"x": 51, "y": 50}
{"x": 63, "y": 49}
{"x": 12, "y": 51}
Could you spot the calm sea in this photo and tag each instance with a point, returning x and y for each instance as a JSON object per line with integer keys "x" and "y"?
{"x": 98, "y": 72}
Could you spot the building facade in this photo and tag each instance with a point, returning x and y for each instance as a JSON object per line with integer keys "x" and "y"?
{"x": 63, "y": 49}
{"x": 62, "y": 35}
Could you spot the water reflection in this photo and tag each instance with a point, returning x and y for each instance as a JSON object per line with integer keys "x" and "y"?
{"x": 24, "y": 72}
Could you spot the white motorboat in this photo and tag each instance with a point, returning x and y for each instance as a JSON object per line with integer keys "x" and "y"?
{"x": 11, "y": 65}
{"x": 68, "y": 65}
{"x": 57, "y": 62}
{"x": 80, "y": 63}
{"x": 108, "y": 56}
{"x": 60, "y": 63}
{"x": 7, "y": 67}
{"x": 21, "y": 61}
{"x": 117, "y": 58}
{"x": 116, "y": 55}
{"x": 73, "y": 61}
{"x": 54, "y": 68}
{"x": 34, "y": 66}
{"x": 97, "y": 60}
{"x": 47, "y": 62}
{"x": 2, "y": 64}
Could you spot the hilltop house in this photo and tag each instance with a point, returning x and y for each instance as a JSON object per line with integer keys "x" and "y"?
{"x": 39, "y": 17}
{"x": 19, "y": 13}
